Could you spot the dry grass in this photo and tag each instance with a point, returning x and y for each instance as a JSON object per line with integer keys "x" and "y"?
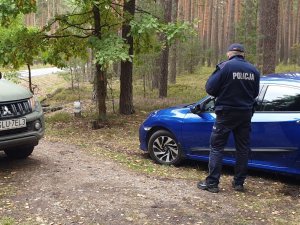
{"x": 46, "y": 84}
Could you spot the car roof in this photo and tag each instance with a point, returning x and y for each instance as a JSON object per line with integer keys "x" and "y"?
{"x": 282, "y": 78}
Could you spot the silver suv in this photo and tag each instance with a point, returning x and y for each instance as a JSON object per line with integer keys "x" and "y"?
{"x": 22, "y": 122}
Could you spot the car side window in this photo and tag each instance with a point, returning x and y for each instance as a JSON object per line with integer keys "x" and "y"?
{"x": 259, "y": 98}
{"x": 281, "y": 98}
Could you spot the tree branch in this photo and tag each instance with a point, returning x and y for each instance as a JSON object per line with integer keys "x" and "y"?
{"x": 78, "y": 14}
{"x": 76, "y": 25}
{"x": 66, "y": 35}
{"x": 117, "y": 10}
{"x": 137, "y": 9}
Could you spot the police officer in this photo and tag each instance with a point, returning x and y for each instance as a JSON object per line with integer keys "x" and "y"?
{"x": 235, "y": 84}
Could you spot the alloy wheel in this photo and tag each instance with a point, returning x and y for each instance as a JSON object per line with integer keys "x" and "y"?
{"x": 165, "y": 149}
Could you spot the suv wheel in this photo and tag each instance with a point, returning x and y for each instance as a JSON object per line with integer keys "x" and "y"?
{"x": 19, "y": 152}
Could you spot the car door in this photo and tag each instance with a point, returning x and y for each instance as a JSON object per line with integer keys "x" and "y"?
{"x": 196, "y": 131}
{"x": 275, "y": 128}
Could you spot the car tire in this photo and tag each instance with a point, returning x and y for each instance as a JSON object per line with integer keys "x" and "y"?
{"x": 164, "y": 149}
{"x": 19, "y": 152}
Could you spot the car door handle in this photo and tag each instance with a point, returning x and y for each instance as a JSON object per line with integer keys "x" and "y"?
{"x": 298, "y": 121}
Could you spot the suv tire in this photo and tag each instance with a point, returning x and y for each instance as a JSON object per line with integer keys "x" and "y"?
{"x": 19, "y": 152}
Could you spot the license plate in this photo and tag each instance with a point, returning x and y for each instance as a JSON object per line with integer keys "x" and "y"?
{"x": 12, "y": 124}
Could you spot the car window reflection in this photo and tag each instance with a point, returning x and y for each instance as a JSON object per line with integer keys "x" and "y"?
{"x": 281, "y": 98}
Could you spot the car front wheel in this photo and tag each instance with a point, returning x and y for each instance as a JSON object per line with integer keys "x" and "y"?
{"x": 163, "y": 148}
{"x": 19, "y": 152}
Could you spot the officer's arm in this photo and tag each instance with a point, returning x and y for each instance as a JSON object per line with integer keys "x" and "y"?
{"x": 214, "y": 82}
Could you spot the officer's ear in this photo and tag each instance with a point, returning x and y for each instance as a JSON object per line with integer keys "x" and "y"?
{"x": 228, "y": 55}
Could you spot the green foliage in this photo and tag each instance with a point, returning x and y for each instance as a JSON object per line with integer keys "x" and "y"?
{"x": 78, "y": 31}
{"x": 65, "y": 76}
{"x": 281, "y": 68}
{"x": 178, "y": 31}
{"x": 12, "y": 76}
{"x": 145, "y": 66}
{"x": 110, "y": 49}
{"x": 147, "y": 24}
{"x": 247, "y": 29}
{"x": 28, "y": 43}
{"x": 295, "y": 54}
{"x": 7, "y": 221}
{"x": 147, "y": 29}
{"x": 191, "y": 53}
{"x": 76, "y": 72}
{"x": 62, "y": 50}
{"x": 9, "y": 9}
{"x": 19, "y": 45}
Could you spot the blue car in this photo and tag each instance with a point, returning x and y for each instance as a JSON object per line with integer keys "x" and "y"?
{"x": 183, "y": 132}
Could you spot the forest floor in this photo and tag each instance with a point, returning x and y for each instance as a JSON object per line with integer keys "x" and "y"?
{"x": 77, "y": 175}
{"x": 66, "y": 184}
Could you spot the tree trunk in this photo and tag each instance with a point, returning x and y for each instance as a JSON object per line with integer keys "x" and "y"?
{"x": 189, "y": 9}
{"x": 163, "y": 81}
{"x": 298, "y": 30}
{"x": 89, "y": 65}
{"x": 259, "y": 43}
{"x": 230, "y": 23}
{"x": 192, "y": 56}
{"x": 270, "y": 36}
{"x": 156, "y": 72}
{"x": 297, "y": 33}
{"x": 286, "y": 33}
{"x": 280, "y": 44}
{"x": 208, "y": 38}
{"x": 237, "y": 14}
{"x": 100, "y": 75}
{"x": 205, "y": 30}
{"x": 200, "y": 17}
{"x": 173, "y": 50}
{"x": 291, "y": 22}
{"x": 126, "y": 95}
{"x": 173, "y": 63}
{"x": 72, "y": 78}
{"x": 29, "y": 78}
{"x": 221, "y": 35}
{"x": 215, "y": 35}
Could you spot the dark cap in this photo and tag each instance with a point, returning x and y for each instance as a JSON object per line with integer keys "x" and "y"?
{"x": 236, "y": 47}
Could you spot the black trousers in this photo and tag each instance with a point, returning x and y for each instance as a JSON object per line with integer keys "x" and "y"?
{"x": 238, "y": 122}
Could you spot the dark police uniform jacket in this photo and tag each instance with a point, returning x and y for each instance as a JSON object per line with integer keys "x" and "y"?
{"x": 235, "y": 84}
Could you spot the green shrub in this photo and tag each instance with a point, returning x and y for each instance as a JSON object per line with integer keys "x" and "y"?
{"x": 58, "y": 117}
{"x": 281, "y": 68}
{"x": 7, "y": 221}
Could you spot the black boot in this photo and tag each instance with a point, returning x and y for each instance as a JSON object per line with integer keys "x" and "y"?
{"x": 208, "y": 187}
{"x": 238, "y": 187}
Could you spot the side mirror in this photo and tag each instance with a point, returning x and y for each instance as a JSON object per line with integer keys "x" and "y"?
{"x": 199, "y": 108}
{"x": 207, "y": 105}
